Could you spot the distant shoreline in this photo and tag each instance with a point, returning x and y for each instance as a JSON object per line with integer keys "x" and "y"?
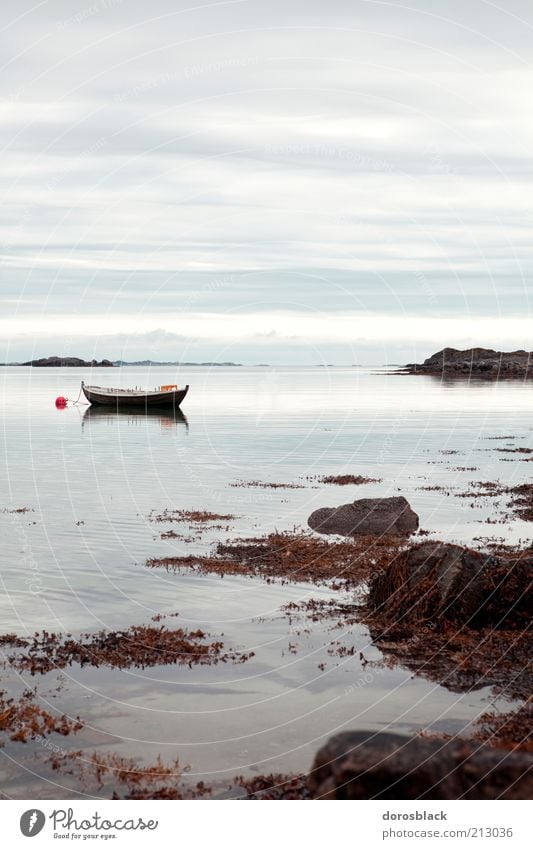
{"x": 121, "y": 363}
{"x": 75, "y": 362}
{"x": 484, "y": 363}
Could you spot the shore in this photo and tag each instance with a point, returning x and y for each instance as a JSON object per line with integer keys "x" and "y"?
{"x": 479, "y": 363}
{"x": 370, "y": 578}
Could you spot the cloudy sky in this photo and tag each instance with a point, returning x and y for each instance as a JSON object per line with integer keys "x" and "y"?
{"x": 291, "y": 181}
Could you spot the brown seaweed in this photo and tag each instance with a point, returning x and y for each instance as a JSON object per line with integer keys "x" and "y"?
{"x": 139, "y": 646}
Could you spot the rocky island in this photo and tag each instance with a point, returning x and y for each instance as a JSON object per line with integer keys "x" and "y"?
{"x": 67, "y": 362}
{"x": 475, "y": 362}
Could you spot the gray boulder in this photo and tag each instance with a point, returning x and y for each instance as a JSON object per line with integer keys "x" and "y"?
{"x": 366, "y": 516}
{"x": 366, "y": 765}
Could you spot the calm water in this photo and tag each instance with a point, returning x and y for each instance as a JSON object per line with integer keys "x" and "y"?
{"x": 76, "y": 561}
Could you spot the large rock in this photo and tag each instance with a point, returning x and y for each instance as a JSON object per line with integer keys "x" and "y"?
{"x": 366, "y": 516}
{"x": 363, "y": 765}
{"x": 476, "y": 362}
{"x": 436, "y": 580}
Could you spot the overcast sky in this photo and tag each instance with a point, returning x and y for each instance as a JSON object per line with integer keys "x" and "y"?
{"x": 286, "y": 181}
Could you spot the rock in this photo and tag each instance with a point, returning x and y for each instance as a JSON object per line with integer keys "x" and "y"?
{"x": 67, "y": 362}
{"x": 476, "y": 362}
{"x": 367, "y": 765}
{"x": 366, "y": 516}
{"x": 438, "y": 581}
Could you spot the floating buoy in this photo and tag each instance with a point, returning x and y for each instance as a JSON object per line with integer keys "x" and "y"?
{"x": 61, "y": 403}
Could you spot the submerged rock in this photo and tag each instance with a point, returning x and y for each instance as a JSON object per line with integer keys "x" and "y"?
{"x": 366, "y": 765}
{"x": 439, "y": 581}
{"x": 366, "y": 516}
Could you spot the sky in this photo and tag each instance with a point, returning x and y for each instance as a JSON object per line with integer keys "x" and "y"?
{"x": 289, "y": 182}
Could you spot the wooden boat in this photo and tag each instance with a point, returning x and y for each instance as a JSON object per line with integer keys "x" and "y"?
{"x": 139, "y": 399}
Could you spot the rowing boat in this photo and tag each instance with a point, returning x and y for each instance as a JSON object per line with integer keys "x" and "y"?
{"x": 165, "y": 396}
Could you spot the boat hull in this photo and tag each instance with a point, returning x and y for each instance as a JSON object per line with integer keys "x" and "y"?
{"x": 124, "y": 399}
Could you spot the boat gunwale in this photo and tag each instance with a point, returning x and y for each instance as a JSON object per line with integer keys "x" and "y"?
{"x": 103, "y": 395}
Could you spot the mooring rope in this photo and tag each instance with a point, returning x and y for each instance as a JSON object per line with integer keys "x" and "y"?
{"x": 78, "y": 402}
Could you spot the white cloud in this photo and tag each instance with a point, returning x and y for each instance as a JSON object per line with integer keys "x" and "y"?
{"x": 364, "y": 139}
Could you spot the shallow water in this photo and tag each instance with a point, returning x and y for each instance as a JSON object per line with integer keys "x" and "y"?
{"x": 76, "y": 560}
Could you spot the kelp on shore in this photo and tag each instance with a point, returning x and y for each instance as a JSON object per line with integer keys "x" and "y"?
{"x": 292, "y": 557}
{"x": 139, "y": 646}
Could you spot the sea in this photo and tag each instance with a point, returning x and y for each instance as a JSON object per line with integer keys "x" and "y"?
{"x": 90, "y": 483}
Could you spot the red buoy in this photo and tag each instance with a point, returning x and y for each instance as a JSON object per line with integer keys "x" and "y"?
{"x": 61, "y": 403}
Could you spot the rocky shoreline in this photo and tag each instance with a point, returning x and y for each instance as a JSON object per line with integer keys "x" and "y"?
{"x": 67, "y": 362}
{"x": 456, "y": 616}
{"x": 483, "y": 363}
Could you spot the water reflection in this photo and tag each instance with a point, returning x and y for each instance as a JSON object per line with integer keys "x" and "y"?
{"x": 167, "y": 418}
